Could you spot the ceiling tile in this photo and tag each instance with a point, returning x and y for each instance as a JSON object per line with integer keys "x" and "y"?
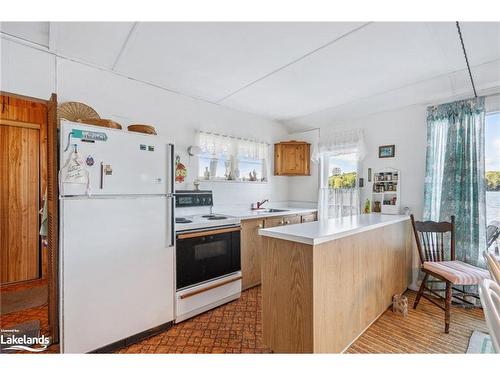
{"x": 95, "y": 42}
{"x": 482, "y": 41}
{"x": 35, "y": 32}
{"x": 212, "y": 60}
{"x": 375, "y": 59}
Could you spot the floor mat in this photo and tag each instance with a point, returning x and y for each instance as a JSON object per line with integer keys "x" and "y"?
{"x": 23, "y": 299}
{"x": 480, "y": 343}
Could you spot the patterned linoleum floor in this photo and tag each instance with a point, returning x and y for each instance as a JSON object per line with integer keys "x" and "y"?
{"x": 237, "y": 328}
{"x": 232, "y": 328}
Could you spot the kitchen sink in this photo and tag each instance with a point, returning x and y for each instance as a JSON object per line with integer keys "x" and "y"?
{"x": 274, "y": 210}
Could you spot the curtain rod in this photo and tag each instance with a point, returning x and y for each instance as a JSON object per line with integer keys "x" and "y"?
{"x": 233, "y": 137}
{"x": 466, "y": 59}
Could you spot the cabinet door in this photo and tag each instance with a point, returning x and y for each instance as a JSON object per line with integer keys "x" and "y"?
{"x": 309, "y": 217}
{"x": 292, "y": 159}
{"x": 291, "y": 219}
{"x": 251, "y": 245}
{"x": 273, "y": 221}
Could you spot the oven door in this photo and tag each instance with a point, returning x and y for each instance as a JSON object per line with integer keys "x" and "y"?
{"x": 206, "y": 255}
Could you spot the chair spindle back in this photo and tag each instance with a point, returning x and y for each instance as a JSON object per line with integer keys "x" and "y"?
{"x": 431, "y": 239}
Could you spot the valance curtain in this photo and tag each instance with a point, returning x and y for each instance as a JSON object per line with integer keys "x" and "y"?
{"x": 344, "y": 201}
{"x": 455, "y": 180}
{"x": 234, "y": 149}
{"x": 336, "y": 143}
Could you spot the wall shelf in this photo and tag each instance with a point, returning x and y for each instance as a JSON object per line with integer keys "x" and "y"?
{"x": 386, "y": 191}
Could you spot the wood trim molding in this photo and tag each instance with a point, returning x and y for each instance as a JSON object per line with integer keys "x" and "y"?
{"x": 195, "y": 292}
{"x": 207, "y": 233}
{"x": 53, "y": 220}
{"x": 19, "y": 124}
{"x": 23, "y": 97}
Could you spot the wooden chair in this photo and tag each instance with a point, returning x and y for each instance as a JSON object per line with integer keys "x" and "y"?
{"x": 430, "y": 237}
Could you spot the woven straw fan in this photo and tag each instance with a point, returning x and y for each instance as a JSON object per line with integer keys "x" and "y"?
{"x": 73, "y": 111}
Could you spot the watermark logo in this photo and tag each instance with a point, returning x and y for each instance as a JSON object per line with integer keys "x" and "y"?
{"x": 12, "y": 340}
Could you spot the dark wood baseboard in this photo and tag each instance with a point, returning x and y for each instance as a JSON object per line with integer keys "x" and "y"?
{"x": 113, "y": 347}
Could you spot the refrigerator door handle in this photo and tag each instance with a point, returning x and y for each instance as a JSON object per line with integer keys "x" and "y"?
{"x": 101, "y": 182}
{"x": 172, "y": 168}
{"x": 172, "y": 221}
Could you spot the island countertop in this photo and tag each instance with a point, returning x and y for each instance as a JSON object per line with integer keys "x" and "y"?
{"x": 317, "y": 232}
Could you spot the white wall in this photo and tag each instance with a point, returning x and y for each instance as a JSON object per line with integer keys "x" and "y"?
{"x": 406, "y": 128}
{"x": 31, "y": 72}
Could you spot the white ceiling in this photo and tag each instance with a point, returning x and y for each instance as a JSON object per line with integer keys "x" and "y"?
{"x": 286, "y": 71}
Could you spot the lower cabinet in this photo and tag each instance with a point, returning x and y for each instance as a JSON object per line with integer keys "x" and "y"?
{"x": 309, "y": 217}
{"x": 251, "y": 243}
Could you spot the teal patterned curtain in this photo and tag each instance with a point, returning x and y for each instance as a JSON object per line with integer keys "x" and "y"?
{"x": 454, "y": 178}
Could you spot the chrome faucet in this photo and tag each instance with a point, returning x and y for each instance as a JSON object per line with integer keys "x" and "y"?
{"x": 259, "y": 204}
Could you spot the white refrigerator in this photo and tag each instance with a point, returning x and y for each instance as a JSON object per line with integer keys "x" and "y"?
{"x": 116, "y": 235}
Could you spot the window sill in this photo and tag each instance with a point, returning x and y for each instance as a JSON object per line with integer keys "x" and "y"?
{"x": 233, "y": 181}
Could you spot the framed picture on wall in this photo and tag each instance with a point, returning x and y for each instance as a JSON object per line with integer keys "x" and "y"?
{"x": 387, "y": 151}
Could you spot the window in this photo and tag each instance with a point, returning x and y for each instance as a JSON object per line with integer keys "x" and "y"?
{"x": 226, "y": 158}
{"x": 343, "y": 171}
{"x": 339, "y": 153}
{"x": 492, "y": 164}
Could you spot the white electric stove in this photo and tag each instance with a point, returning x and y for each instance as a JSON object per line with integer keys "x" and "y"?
{"x": 208, "y": 269}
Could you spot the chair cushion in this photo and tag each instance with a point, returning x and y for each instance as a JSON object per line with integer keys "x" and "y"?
{"x": 459, "y": 273}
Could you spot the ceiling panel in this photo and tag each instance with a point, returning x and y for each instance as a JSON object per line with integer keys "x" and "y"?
{"x": 95, "y": 42}
{"x": 212, "y": 60}
{"x": 482, "y": 41}
{"x": 433, "y": 91}
{"x": 375, "y": 59}
{"x": 35, "y": 32}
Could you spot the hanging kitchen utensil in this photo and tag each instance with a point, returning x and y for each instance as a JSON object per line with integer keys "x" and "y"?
{"x": 180, "y": 170}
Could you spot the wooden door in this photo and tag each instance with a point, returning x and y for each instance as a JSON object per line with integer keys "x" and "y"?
{"x": 19, "y": 201}
{"x": 251, "y": 245}
{"x": 22, "y": 184}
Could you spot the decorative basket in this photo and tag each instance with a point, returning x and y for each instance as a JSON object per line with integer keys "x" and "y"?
{"x": 101, "y": 122}
{"x": 148, "y": 129}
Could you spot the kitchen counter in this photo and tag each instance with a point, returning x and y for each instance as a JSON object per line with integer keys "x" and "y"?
{"x": 318, "y": 232}
{"x": 248, "y": 214}
{"x": 325, "y": 282}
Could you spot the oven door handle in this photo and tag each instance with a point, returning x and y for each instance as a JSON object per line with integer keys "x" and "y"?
{"x": 183, "y": 236}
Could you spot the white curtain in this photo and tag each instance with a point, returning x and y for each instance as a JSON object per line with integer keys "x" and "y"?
{"x": 344, "y": 201}
{"x": 338, "y": 202}
{"x": 234, "y": 149}
{"x": 341, "y": 142}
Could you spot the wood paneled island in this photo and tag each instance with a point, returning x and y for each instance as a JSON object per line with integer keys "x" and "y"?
{"x": 325, "y": 282}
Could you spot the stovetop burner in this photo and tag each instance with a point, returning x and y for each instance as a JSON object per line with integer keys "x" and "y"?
{"x": 182, "y": 220}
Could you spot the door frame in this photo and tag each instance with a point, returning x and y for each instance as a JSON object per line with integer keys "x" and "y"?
{"x": 50, "y": 154}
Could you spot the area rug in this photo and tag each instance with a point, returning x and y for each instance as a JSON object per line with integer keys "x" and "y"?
{"x": 480, "y": 343}
{"x": 23, "y": 299}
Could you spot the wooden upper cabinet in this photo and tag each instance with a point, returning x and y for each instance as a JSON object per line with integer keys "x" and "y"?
{"x": 292, "y": 158}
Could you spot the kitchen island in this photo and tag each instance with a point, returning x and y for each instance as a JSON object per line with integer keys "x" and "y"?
{"x": 325, "y": 282}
